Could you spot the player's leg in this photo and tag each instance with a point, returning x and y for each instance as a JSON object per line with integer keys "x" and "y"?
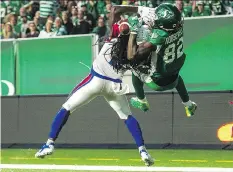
{"x": 168, "y": 83}
{"x": 82, "y": 94}
{"x": 190, "y": 106}
{"x": 154, "y": 83}
{"x": 120, "y": 104}
{"x": 139, "y": 101}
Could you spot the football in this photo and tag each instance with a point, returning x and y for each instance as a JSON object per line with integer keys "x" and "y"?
{"x": 124, "y": 28}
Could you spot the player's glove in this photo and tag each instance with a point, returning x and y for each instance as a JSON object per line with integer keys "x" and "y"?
{"x": 147, "y": 14}
{"x": 135, "y": 23}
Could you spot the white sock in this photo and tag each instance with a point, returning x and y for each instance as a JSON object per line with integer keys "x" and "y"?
{"x": 188, "y": 103}
{"x": 49, "y": 141}
{"x": 142, "y": 148}
{"x": 143, "y": 100}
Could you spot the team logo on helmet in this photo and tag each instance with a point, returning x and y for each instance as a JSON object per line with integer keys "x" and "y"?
{"x": 164, "y": 13}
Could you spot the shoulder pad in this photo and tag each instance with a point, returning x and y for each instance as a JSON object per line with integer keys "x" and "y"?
{"x": 158, "y": 36}
{"x": 160, "y": 32}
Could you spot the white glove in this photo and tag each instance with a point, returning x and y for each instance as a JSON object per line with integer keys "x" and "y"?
{"x": 147, "y": 14}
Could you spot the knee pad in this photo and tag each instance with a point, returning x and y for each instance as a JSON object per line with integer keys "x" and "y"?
{"x": 68, "y": 107}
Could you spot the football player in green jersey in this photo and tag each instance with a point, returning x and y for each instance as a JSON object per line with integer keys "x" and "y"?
{"x": 158, "y": 60}
{"x": 163, "y": 54}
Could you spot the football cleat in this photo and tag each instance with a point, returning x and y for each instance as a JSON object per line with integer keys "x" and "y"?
{"x": 146, "y": 158}
{"x": 47, "y": 149}
{"x": 140, "y": 104}
{"x": 190, "y": 110}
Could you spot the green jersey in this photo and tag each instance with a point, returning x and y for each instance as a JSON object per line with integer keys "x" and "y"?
{"x": 169, "y": 54}
{"x": 101, "y": 8}
{"x": 168, "y": 58}
{"x": 15, "y": 6}
{"x": 48, "y": 8}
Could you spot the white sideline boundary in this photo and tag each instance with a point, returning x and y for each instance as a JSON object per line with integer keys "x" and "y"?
{"x": 208, "y": 17}
{"x": 112, "y": 168}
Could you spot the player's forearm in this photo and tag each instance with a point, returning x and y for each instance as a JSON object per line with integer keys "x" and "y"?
{"x": 132, "y": 46}
{"x": 143, "y": 51}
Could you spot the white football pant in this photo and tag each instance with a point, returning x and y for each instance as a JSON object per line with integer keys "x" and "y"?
{"x": 102, "y": 81}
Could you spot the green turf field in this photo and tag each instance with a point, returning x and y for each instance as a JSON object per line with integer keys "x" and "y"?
{"x": 119, "y": 157}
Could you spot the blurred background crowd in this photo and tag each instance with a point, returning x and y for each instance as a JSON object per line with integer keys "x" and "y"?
{"x": 44, "y": 19}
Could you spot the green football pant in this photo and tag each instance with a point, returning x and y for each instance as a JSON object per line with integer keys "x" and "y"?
{"x": 178, "y": 83}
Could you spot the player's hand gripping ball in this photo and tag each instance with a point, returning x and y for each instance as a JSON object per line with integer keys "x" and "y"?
{"x": 124, "y": 28}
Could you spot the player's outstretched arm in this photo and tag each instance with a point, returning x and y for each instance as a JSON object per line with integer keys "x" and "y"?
{"x": 132, "y": 46}
{"x": 138, "y": 52}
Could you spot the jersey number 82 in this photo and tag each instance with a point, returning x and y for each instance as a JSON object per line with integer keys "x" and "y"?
{"x": 173, "y": 51}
